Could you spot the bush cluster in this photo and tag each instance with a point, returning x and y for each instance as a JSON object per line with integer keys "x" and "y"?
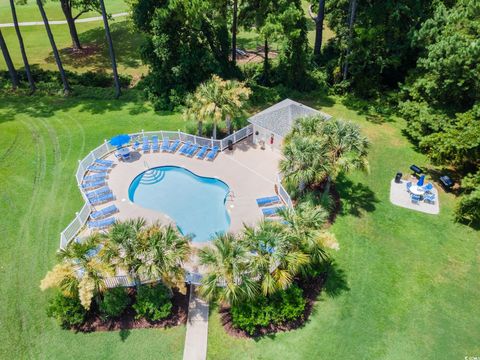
{"x": 153, "y": 302}
{"x": 114, "y": 303}
{"x": 68, "y": 311}
{"x": 279, "y": 308}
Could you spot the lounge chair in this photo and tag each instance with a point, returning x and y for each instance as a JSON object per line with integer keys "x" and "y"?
{"x": 104, "y": 162}
{"x": 203, "y": 151}
{"x": 101, "y": 224}
{"x": 145, "y": 145}
{"x": 99, "y": 192}
{"x": 98, "y": 168}
{"x": 415, "y": 198}
{"x": 109, "y": 210}
{"x": 213, "y": 153}
{"x": 101, "y": 199}
{"x": 174, "y": 146}
{"x": 193, "y": 149}
{"x": 185, "y": 147}
{"x": 165, "y": 144}
{"x": 95, "y": 177}
{"x": 155, "y": 146}
{"x": 272, "y": 211}
{"x": 93, "y": 185}
{"x": 268, "y": 200}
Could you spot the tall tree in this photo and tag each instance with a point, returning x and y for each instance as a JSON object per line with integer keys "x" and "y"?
{"x": 8, "y": 60}
{"x": 22, "y": 47}
{"x": 111, "y": 50}
{"x": 234, "y": 30}
{"x": 351, "y": 20}
{"x": 66, "y": 86}
{"x": 318, "y": 19}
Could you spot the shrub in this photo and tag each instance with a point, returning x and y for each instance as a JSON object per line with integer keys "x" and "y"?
{"x": 281, "y": 307}
{"x": 153, "y": 302}
{"x": 66, "y": 310}
{"x": 114, "y": 303}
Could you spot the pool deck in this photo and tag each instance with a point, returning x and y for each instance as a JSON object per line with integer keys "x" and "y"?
{"x": 249, "y": 172}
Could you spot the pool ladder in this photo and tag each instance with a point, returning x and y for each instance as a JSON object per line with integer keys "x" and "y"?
{"x": 230, "y": 196}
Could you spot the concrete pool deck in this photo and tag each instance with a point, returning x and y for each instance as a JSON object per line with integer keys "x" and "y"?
{"x": 249, "y": 172}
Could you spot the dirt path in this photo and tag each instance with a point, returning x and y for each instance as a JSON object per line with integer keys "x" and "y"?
{"x": 62, "y": 22}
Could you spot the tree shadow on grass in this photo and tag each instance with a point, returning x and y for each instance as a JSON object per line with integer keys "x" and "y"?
{"x": 95, "y": 55}
{"x": 355, "y": 198}
{"x": 336, "y": 280}
{"x": 124, "y": 334}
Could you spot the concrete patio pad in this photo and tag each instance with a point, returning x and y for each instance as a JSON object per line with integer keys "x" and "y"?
{"x": 399, "y": 196}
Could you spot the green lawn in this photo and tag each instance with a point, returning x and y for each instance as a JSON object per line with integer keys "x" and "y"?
{"x": 406, "y": 285}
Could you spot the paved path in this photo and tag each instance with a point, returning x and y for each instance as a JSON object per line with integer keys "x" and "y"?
{"x": 197, "y": 328}
{"x": 62, "y": 22}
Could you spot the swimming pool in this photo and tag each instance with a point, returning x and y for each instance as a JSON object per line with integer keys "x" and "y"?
{"x": 195, "y": 203}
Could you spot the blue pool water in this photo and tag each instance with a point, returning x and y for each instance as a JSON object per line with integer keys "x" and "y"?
{"x": 195, "y": 203}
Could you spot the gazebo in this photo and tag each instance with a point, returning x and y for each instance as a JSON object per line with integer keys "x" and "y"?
{"x": 271, "y": 125}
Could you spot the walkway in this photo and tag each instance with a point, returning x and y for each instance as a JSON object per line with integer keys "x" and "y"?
{"x": 197, "y": 328}
{"x": 62, "y": 22}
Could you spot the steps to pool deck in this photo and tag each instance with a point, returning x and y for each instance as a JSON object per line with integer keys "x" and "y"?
{"x": 197, "y": 328}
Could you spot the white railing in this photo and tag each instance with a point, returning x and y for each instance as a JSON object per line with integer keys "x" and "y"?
{"x": 81, "y": 218}
{"x": 283, "y": 192}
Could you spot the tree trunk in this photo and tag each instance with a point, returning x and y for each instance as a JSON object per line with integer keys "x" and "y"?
{"x": 326, "y": 191}
{"x": 319, "y": 28}
{"x": 234, "y": 31}
{"x": 118, "y": 91}
{"x": 351, "y": 21}
{"x": 8, "y": 61}
{"x": 67, "y": 11}
{"x": 66, "y": 86}
{"x": 215, "y": 130}
{"x": 228, "y": 121}
{"x": 22, "y": 47}
{"x": 266, "y": 64}
{"x": 200, "y": 128}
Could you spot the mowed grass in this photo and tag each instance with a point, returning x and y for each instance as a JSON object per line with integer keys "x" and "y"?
{"x": 41, "y": 140}
{"x": 406, "y": 283}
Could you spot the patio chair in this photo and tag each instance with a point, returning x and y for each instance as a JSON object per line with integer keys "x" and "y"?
{"x": 408, "y": 185}
{"x": 213, "y": 153}
{"x": 109, "y": 210}
{"x": 203, "y": 151}
{"x": 173, "y": 148}
{"x": 165, "y": 144}
{"x": 94, "y": 177}
{"x": 155, "y": 146}
{"x": 428, "y": 188}
{"x": 93, "y": 185}
{"x": 415, "y": 198}
{"x": 145, "y": 145}
{"x": 185, "y": 147}
{"x": 101, "y": 199}
{"x": 98, "y": 168}
{"x": 101, "y": 224}
{"x": 268, "y": 200}
{"x": 136, "y": 146}
{"x": 193, "y": 149}
{"x": 104, "y": 162}
{"x": 272, "y": 211}
{"x": 429, "y": 198}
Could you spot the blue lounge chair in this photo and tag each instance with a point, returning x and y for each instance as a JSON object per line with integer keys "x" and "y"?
{"x": 97, "y": 193}
{"x": 185, "y": 147}
{"x": 93, "y": 185}
{"x": 101, "y": 199}
{"x": 193, "y": 149}
{"x": 268, "y": 200}
{"x": 155, "y": 146}
{"x": 95, "y": 177}
{"x": 415, "y": 198}
{"x": 203, "y": 151}
{"x": 109, "y": 210}
{"x": 165, "y": 144}
{"x": 104, "y": 162}
{"x": 98, "y": 168}
{"x": 174, "y": 146}
{"x": 145, "y": 145}
{"x": 213, "y": 153}
{"x": 272, "y": 211}
{"x": 101, "y": 224}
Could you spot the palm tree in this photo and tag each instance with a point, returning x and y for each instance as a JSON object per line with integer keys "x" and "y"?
{"x": 228, "y": 275}
{"x": 166, "y": 252}
{"x": 276, "y": 259}
{"x": 66, "y": 86}
{"x": 22, "y": 47}
{"x": 80, "y": 272}
{"x": 8, "y": 61}
{"x": 215, "y": 100}
{"x": 111, "y": 50}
